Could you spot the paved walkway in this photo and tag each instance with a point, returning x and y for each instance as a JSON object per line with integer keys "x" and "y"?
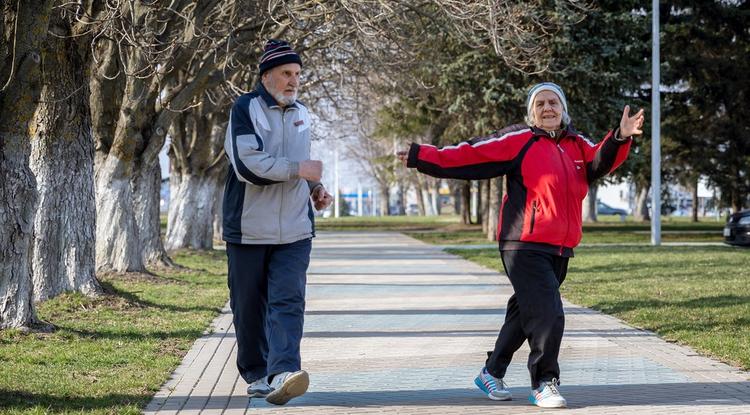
{"x": 395, "y": 326}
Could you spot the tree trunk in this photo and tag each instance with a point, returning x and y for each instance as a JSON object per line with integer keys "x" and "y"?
{"x": 401, "y": 198}
{"x": 641, "y": 204}
{"x": 19, "y": 95}
{"x": 455, "y": 187}
{"x": 118, "y": 245}
{"x": 429, "y": 209}
{"x": 218, "y": 131}
{"x": 476, "y": 197}
{"x": 17, "y": 206}
{"x": 385, "y": 194}
{"x": 485, "y": 187}
{"x": 62, "y": 158}
{"x": 117, "y": 240}
{"x": 195, "y": 216}
{"x": 106, "y": 85}
{"x": 18, "y": 200}
{"x": 435, "y": 196}
{"x": 190, "y": 223}
{"x": 421, "y": 195}
{"x": 495, "y": 197}
{"x": 736, "y": 197}
{"x": 147, "y": 192}
{"x": 589, "y": 203}
{"x": 197, "y": 164}
{"x": 128, "y": 178}
{"x": 218, "y": 210}
{"x": 466, "y": 202}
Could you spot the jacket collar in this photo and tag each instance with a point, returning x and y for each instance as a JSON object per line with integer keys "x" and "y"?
{"x": 567, "y": 132}
{"x": 269, "y": 99}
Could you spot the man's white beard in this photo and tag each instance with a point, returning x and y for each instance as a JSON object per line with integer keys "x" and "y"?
{"x": 285, "y": 100}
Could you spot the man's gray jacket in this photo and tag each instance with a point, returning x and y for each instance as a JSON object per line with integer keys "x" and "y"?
{"x": 265, "y": 200}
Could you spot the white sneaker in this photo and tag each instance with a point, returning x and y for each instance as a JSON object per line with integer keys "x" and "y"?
{"x": 288, "y": 385}
{"x": 494, "y": 388}
{"x": 547, "y": 395}
{"x": 259, "y": 389}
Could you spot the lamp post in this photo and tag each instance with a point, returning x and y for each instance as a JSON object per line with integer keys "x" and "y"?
{"x": 655, "y": 130}
{"x": 336, "y": 195}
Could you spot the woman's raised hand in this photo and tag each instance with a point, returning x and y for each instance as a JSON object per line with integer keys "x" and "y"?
{"x": 630, "y": 126}
{"x": 403, "y": 155}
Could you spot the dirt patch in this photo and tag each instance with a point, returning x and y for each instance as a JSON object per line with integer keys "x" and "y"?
{"x": 143, "y": 277}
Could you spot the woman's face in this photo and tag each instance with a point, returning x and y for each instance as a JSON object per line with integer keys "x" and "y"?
{"x": 547, "y": 111}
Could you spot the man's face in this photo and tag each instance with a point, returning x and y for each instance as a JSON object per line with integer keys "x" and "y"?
{"x": 547, "y": 111}
{"x": 282, "y": 83}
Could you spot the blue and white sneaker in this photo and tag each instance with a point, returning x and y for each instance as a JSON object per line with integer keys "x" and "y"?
{"x": 259, "y": 389}
{"x": 495, "y": 388}
{"x": 547, "y": 395}
{"x": 288, "y": 385}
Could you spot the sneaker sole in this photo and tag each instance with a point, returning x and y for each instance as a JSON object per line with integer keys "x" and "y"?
{"x": 480, "y": 385}
{"x": 548, "y": 406}
{"x": 294, "y": 386}
{"x": 257, "y": 394}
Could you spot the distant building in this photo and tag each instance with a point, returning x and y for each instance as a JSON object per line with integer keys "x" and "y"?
{"x": 622, "y": 195}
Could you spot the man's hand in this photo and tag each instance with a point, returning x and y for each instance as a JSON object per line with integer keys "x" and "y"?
{"x": 403, "y": 155}
{"x": 311, "y": 170}
{"x": 321, "y": 198}
{"x": 630, "y": 126}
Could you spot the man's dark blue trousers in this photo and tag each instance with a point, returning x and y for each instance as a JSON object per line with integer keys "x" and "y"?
{"x": 267, "y": 297}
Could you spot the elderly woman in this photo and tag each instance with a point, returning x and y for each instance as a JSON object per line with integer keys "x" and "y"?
{"x": 548, "y": 167}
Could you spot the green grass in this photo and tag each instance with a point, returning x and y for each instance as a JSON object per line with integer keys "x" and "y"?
{"x": 474, "y": 236}
{"x": 698, "y": 296}
{"x": 109, "y": 355}
{"x": 610, "y": 230}
{"x": 447, "y": 229}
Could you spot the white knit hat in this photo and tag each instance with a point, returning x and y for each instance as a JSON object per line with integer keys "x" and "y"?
{"x": 546, "y": 86}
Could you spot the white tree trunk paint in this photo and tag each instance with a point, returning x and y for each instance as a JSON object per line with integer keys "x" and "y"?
{"x": 17, "y": 206}
{"x": 147, "y": 190}
{"x": 62, "y": 158}
{"x": 118, "y": 245}
{"x": 191, "y": 213}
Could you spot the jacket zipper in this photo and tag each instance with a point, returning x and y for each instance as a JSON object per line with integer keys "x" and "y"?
{"x": 533, "y": 217}
{"x": 567, "y": 197}
{"x": 283, "y": 153}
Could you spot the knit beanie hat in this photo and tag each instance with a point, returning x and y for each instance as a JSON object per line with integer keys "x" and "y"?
{"x": 546, "y": 86}
{"x": 275, "y": 53}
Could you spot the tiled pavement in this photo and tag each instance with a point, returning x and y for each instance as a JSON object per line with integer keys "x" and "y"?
{"x": 395, "y": 326}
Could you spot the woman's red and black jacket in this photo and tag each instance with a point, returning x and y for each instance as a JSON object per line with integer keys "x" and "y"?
{"x": 547, "y": 179}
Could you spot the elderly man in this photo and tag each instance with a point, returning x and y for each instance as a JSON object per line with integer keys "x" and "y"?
{"x": 268, "y": 225}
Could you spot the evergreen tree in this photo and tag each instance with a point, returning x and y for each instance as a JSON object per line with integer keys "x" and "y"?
{"x": 706, "y": 45}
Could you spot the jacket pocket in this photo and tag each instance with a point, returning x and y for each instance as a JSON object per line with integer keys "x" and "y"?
{"x": 260, "y": 213}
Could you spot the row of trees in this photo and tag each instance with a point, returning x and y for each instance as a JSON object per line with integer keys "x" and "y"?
{"x": 601, "y": 58}
{"x": 91, "y": 90}
{"x": 603, "y": 62}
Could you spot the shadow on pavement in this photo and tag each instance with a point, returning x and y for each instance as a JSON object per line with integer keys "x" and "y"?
{"x": 578, "y": 396}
